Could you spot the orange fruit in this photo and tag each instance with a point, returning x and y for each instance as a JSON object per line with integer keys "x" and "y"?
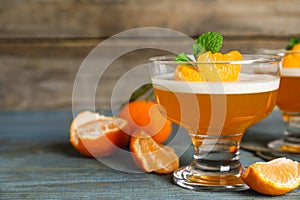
{"x": 147, "y": 115}
{"x": 275, "y": 177}
{"x": 187, "y": 73}
{"x": 222, "y": 71}
{"x": 152, "y": 156}
{"x": 292, "y": 60}
{"x": 95, "y": 135}
{"x": 211, "y": 72}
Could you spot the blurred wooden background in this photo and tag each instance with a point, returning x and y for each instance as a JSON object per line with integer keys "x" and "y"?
{"x": 43, "y": 42}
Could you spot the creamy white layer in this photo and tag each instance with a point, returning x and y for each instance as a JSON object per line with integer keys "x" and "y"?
{"x": 290, "y": 72}
{"x": 247, "y": 83}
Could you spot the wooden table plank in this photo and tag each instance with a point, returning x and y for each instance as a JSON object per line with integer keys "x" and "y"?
{"x": 104, "y": 18}
{"x": 37, "y": 162}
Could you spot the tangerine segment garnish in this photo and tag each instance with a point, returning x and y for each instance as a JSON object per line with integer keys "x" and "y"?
{"x": 211, "y": 72}
{"x": 292, "y": 58}
{"x": 222, "y": 71}
{"x": 95, "y": 135}
{"x": 147, "y": 116}
{"x": 205, "y": 50}
{"x": 272, "y": 178}
{"x": 187, "y": 73}
{"x": 151, "y": 156}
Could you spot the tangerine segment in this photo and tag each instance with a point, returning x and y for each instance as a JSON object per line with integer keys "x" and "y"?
{"x": 148, "y": 116}
{"x": 275, "y": 177}
{"x": 211, "y": 72}
{"x": 95, "y": 135}
{"x": 222, "y": 71}
{"x": 152, "y": 156}
{"x": 292, "y": 59}
{"x": 187, "y": 73}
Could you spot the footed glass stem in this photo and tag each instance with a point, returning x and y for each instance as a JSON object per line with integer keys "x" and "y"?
{"x": 215, "y": 166}
{"x": 291, "y": 140}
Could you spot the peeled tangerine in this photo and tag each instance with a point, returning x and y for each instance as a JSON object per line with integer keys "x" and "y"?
{"x": 152, "y": 156}
{"x": 292, "y": 59}
{"x": 272, "y": 178}
{"x": 95, "y": 135}
{"x": 211, "y": 72}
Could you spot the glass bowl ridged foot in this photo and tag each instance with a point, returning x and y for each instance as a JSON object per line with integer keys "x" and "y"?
{"x": 216, "y": 168}
{"x": 216, "y": 114}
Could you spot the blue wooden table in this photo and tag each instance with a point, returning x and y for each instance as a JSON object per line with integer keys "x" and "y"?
{"x": 38, "y": 162}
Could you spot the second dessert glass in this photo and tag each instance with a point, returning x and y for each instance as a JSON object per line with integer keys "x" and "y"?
{"x": 288, "y": 101}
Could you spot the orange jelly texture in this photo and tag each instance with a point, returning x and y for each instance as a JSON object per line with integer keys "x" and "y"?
{"x": 289, "y": 94}
{"x": 242, "y": 110}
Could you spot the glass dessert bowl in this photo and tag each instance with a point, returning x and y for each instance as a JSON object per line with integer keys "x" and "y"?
{"x": 216, "y": 112}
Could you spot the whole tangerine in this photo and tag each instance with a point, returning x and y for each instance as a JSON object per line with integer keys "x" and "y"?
{"x": 148, "y": 116}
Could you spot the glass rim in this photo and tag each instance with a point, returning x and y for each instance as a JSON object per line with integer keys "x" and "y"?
{"x": 280, "y": 52}
{"x": 256, "y": 58}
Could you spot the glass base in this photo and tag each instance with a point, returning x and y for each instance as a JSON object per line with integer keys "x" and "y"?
{"x": 185, "y": 178}
{"x": 283, "y": 145}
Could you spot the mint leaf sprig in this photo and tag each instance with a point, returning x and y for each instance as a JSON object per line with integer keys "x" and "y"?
{"x": 293, "y": 41}
{"x": 182, "y": 57}
{"x": 210, "y": 41}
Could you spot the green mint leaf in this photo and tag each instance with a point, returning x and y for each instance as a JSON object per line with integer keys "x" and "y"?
{"x": 210, "y": 41}
{"x": 182, "y": 57}
{"x": 293, "y": 42}
{"x": 198, "y": 49}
